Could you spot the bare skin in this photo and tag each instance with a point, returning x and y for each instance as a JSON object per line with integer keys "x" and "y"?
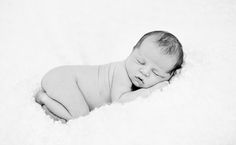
{"x": 72, "y": 91}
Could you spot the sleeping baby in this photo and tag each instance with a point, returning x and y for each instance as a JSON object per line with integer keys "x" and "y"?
{"x": 72, "y": 91}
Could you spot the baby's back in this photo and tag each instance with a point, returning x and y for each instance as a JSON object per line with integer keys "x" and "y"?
{"x": 95, "y": 83}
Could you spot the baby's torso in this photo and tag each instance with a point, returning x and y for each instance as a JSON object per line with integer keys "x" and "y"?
{"x": 95, "y": 83}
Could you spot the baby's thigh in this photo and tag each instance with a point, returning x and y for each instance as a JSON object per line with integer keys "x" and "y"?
{"x": 75, "y": 105}
{"x": 79, "y": 106}
{"x": 71, "y": 98}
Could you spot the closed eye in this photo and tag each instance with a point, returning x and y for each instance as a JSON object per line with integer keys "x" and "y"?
{"x": 158, "y": 74}
{"x": 141, "y": 61}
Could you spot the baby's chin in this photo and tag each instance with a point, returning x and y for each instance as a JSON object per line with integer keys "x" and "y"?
{"x": 138, "y": 86}
{"x": 142, "y": 85}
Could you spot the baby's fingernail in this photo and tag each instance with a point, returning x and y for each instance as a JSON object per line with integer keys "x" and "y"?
{"x": 166, "y": 82}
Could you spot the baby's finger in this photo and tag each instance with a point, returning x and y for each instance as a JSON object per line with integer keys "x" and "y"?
{"x": 63, "y": 121}
{"x": 162, "y": 84}
{"x": 159, "y": 86}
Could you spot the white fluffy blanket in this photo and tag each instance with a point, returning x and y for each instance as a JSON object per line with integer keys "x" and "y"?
{"x": 198, "y": 108}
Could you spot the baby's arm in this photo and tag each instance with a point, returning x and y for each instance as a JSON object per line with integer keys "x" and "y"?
{"x": 132, "y": 95}
{"x": 121, "y": 91}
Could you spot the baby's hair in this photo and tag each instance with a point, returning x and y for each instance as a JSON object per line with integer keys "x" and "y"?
{"x": 169, "y": 45}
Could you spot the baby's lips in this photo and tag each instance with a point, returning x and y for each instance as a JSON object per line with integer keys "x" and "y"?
{"x": 138, "y": 76}
{"x": 140, "y": 80}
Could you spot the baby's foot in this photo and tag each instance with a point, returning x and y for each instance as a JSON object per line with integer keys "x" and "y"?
{"x": 39, "y": 97}
{"x": 52, "y": 116}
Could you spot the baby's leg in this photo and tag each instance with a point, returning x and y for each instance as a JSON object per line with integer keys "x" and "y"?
{"x": 53, "y": 106}
{"x": 60, "y": 84}
{"x": 53, "y": 116}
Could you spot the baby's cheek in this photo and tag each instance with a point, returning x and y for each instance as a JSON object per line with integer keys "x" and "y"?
{"x": 155, "y": 80}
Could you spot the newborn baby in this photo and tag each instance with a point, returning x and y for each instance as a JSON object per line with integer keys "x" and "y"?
{"x": 72, "y": 91}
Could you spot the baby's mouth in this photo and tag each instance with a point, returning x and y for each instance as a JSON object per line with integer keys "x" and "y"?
{"x": 139, "y": 80}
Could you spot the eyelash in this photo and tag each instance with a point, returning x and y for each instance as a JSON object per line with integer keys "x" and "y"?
{"x": 141, "y": 62}
{"x": 157, "y": 74}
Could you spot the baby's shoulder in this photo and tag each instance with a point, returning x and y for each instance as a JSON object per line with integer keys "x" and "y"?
{"x": 116, "y": 66}
{"x": 120, "y": 76}
{"x": 111, "y": 65}
{"x": 109, "y": 68}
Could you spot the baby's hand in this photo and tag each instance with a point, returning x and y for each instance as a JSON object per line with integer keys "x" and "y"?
{"x": 158, "y": 86}
{"x": 143, "y": 92}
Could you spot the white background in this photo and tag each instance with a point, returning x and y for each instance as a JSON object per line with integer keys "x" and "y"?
{"x": 198, "y": 108}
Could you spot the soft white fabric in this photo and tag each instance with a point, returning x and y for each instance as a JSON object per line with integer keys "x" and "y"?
{"x": 198, "y": 108}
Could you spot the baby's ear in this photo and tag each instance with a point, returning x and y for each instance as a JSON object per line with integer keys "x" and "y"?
{"x": 174, "y": 73}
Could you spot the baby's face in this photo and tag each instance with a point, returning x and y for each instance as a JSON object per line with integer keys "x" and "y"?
{"x": 147, "y": 65}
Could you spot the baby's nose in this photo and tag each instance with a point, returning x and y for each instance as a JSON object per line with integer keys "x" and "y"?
{"x": 145, "y": 72}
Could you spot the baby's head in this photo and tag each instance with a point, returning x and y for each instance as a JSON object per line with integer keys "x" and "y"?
{"x": 154, "y": 59}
